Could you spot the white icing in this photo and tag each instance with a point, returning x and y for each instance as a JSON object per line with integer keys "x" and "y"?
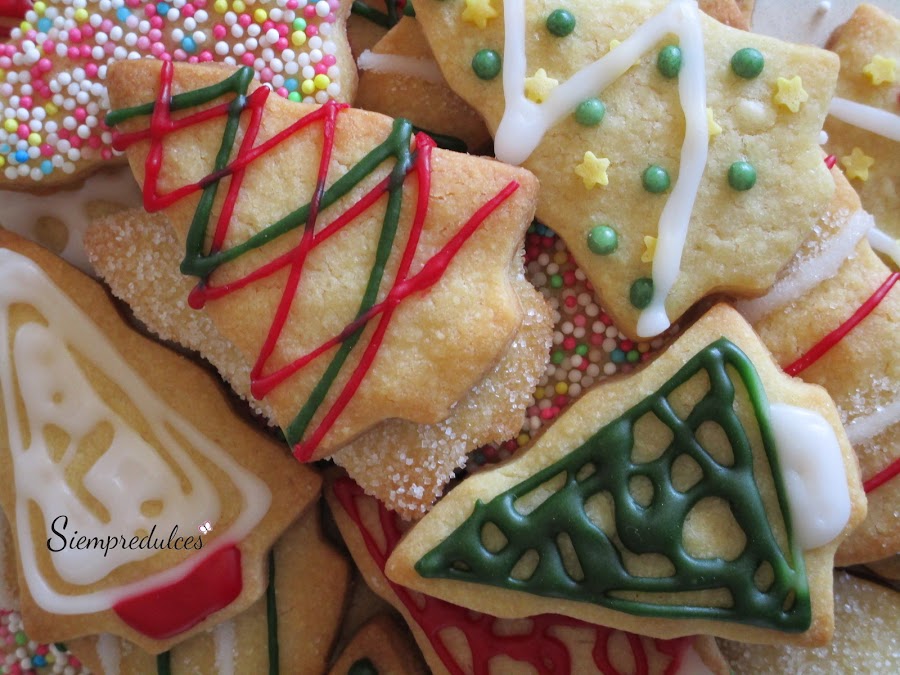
{"x": 395, "y": 64}
{"x": 862, "y": 429}
{"x": 866, "y": 117}
{"x": 54, "y": 390}
{"x": 885, "y": 244}
{"x": 810, "y": 273}
{"x": 692, "y": 664}
{"x": 110, "y": 652}
{"x": 525, "y": 122}
{"x": 21, "y": 210}
{"x": 224, "y": 639}
{"x": 812, "y": 467}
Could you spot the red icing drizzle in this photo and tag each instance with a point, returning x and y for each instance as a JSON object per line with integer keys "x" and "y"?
{"x": 824, "y": 345}
{"x": 165, "y": 612}
{"x": 538, "y": 647}
{"x": 261, "y": 382}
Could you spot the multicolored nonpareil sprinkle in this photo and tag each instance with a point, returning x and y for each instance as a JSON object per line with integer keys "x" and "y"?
{"x": 21, "y": 656}
{"x": 53, "y": 68}
{"x": 587, "y": 347}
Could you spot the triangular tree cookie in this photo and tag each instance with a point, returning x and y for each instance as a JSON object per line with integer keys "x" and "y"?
{"x": 707, "y": 493}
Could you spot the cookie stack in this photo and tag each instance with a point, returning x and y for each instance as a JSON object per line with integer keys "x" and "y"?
{"x": 580, "y": 317}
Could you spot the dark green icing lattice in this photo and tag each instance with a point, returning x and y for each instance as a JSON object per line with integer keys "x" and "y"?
{"x": 655, "y": 528}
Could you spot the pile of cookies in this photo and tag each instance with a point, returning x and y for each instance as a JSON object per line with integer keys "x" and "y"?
{"x": 475, "y": 336}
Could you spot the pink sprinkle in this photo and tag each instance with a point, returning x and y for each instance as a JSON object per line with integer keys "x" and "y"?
{"x": 206, "y": 56}
{"x": 80, "y": 114}
{"x": 74, "y": 662}
{"x": 46, "y": 151}
{"x": 329, "y": 60}
{"x": 75, "y": 35}
{"x": 23, "y": 131}
{"x": 5, "y": 62}
{"x": 25, "y": 102}
{"x": 86, "y": 50}
{"x": 309, "y": 11}
{"x": 94, "y": 142}
{"x": 192, "y": 59}
{"x": 91, "y": 69}
{"x": 282, "y": 29}
{"x": 143, "y": 43}
{"x": 245, "y": 20}
{"x": 107, "y": 25}
{"x": 88, "y": 31}
{"x": 247, "y": 59}
{"x": 72, "y": 52}
{"x": 331, "y": 18}
{"x": 266, "y": 74}
{"x": 321, "y": 69}
{"x": 281, "y": 91}
{"x": 334, "y": 4}
{"x": 106, "y": 153}
{"x": 45, "y": 64}
{"x": 179, "y": 55}
{"x": 311, "y": 30}
{"x": 219, "y": 31}
{"x": 40, "y": 650}
{"x": 187, "y": 11}
{"x": 292, "y": 4}
{"x": 282, "y": 44}
{"x": 155, "y": 34}
{"x": 156, "y": 22}
{"x": 150, "y": 10}
{"x": 157, "y": 49}
{"x": 267, "y": 24}
{"x": 48, "y": 45}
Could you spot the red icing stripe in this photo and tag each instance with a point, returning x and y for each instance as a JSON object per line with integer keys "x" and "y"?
{"x": 824, "y": 345}
{"x": 165, "y": 612}
{"x": 883, "y": 476}
{"x": 538, "y": 647}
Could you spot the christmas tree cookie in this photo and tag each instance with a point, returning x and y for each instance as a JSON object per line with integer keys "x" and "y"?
{"x": 832, "y": 319}
{"x": 707, "y": 493}
{"x": 677, "y": 156}
{"x": 456, "y": 640}
{"x": 53, "y": 69}
{"x": 864, "y": 125}
{"x": 292, "y": 629}
{"x": 141, "y": 505}
{"x": 394, "y": 307}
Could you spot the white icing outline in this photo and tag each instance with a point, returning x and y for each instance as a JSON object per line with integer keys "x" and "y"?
{"x": 814, "y": 475}
{"x": 867, "y": 427}
{"x": 811, "y": 272}
{"x": 885, "y": 244}
{"x": 866, "y": 117}
{"x": 22, "y": 281}
{"x": 21, "y": 210}
{"x": 109, "y": 650}
{"x": 224, "y": 641}
{"x": 525, "y": 122}
{"x": 396, "y": 64}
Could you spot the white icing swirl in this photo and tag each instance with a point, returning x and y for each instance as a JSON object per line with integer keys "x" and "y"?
{"x": 865, "y": 428}
{"x": 878, "y": 121}
{"x": 55, "y": 391}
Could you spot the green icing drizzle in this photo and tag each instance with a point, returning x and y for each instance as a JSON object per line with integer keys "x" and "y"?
{"x": 654, "y": 528}
{"x": 164, "y": 663}
{"x": 272, "y": 618}
{"x": 395, "y": 11}
{"x": 363, "y": 667}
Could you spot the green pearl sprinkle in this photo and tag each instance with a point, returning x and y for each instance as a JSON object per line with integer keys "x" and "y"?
{"x": 747, "y": 63}
{"x": 561, "y": 22}
{"x": 656, "y": 179}
{"x": 556, "y": 281}
{"x": 669, "y": 61}
{"x": 603, "y": 240}
{"x": 641, "y": 292}
{"x": 590, "y": 113}
{"x": 486, "y": 63}
{"x": 741, "y": 176}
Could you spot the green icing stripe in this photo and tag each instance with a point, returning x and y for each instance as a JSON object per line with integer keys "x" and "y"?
{"x": 385, "y": 20}
{"x": 655, "y": 528}
{"x": 164, "y": 663}
{"x": 272, "y": 618}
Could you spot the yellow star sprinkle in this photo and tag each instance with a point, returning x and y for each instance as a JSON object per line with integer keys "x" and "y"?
{"x": 593, "y": 170}
{"x": 478, "y": 12}
{"x": 881, "y": 70}
{"x": 539, "y": 86}
{"x": 649, "y": 249}
{"x": 857, "y": 165}
{"x": 711, "y": 124}
{"x": 791, "y": 93}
